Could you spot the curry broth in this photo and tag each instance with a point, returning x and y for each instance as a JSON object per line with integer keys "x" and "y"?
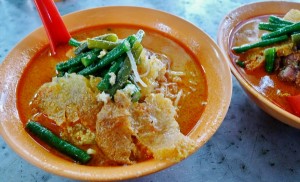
{"x": 267, "y": 84}
{"x": 41, "y": 69}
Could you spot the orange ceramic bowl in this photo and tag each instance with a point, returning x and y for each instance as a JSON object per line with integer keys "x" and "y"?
{"x": 225, "y": 29}
{"x": 206, "y": 51}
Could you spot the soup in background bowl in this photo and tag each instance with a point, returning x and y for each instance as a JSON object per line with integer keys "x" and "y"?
{"x": 29, "y": 65}
{"x": 240, "y": 27}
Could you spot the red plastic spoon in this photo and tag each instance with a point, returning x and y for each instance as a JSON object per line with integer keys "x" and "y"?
{"x": 55, "y": 27}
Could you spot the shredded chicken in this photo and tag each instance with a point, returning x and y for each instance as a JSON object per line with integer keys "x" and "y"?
{"x": 155, "y": 68}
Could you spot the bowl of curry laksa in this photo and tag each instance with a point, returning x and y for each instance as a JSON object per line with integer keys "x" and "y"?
{"x": 131, "y": 94}
{"x": 262, "y": 42}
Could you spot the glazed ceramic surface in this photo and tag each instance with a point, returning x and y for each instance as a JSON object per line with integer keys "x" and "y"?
{"x": 226, "y": 27}
{"x": 206, "y": 51}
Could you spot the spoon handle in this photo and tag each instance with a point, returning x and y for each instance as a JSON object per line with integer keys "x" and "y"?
{"x": 55, "y": 28}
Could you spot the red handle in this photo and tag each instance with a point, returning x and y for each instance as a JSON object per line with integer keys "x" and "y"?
{"x": 55, "y": 27}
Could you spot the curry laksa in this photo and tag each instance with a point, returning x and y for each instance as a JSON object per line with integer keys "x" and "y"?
{"x": 266, "y": 51}
{"x": 116, "y": 95}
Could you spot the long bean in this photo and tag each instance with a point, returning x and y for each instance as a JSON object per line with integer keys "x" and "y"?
{"x": 74, "y": 42}
{"x": 108, "y": 37}
{"x": 104, "y": 85}
{"x": 270, "y": 26}
{"x": 107, "y": 59}
{"x": 101, "y": 44}
{"x": 90, "y": 57}
{"x": 81, "y": 48}
{"x": 75, "y": 69}
{"x": 131, "y": 39}
{"x": 283, "y": 31}
{"x": 56, "y": 142}
{"x": 84, "y": 47}
{"x": 122, "y": 77}
{"x": 262, "y": 43}
{"x": 136, "y": 50}
{"x": 76, "y": 61}
{"x": 278, "y": 20}
{"x": 270, "y": 55}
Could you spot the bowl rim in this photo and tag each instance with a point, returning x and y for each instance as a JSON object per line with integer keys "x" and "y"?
{"x": 238, "y": 76}
{"x": 152, "y": 165}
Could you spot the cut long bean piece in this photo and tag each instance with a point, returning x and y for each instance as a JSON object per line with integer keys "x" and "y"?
{"x": 270, "y": 26}
{"x": 108, "y": 37}
{"x": 107, "y": 59}
{"x": 75, "y": 69}
{"x": 262, "y": 43}
{"x": 76, "y": 61}
{"x": 278, "y": 20}
{"x": 270, "y": 55}
{"x": 131, "y": 39}
{"x": 103, "y": 72}
{"x": 90, "y": 58}
{"x": 81, "y": 48}
{"x": 56, "y": 142}
{"x": 74, "y": 42}
{"x": 104, "y": 85}
{"x": 101, "y": 44}
{"x": 122, "y": 77}
{"x": 64, "y": 66}
{"x": 283, "y": 31}
{"x": 136, "y": 50}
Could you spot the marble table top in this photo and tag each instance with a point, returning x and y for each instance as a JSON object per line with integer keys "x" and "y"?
{"x": 249, "y": 145}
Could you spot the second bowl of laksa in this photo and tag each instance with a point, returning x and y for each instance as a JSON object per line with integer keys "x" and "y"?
{"x": 262, "y": 41}
{"x": 131, "y": 94}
